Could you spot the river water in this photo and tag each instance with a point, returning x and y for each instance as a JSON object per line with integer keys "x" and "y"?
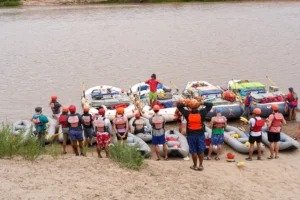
{"x": 53, "y": 50}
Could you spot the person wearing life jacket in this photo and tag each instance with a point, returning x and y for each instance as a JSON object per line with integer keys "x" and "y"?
{"x": 62, "y": 121}
{"x": 104, "y": 132}
{"x": 153, "y": 82}
{"x": 55, "y": 107}
{"x": 157, "y": 122}
{"x": 195, "y": 129}
{"x": 217, "y": 124}
{"x": 256, "y": 124}
{"x": 274, "y": 122}
{"x": 138, "y": 125}
{"x": 248, "y": 103}
{"x": 88, "y": 126}
{"x": 292, "y": 101}
{"x": 74, "y": 122}
{"x": 40, "y": 122}
{"x": 120, "y": 125}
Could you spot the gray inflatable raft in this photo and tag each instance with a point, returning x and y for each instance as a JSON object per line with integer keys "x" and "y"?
{"x": 285, "y": 143}
{"x": 178, "y": 148}
{"x": 240, "y": 144}
{"x": 22, "y": 127}
{"x": 147, "y": 137}
{"x": 133, "y": 140}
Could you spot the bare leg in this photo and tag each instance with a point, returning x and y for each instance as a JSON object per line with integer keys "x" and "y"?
{"x": 276, "y": 149}
{"x": 294, "y": 114}
{"x": 81, "y": 148}
{"x": 272, "y": 149}
{"x": 151, "y": 103}
{"x": 201, "y": 157}
{"x": 180, "y": 127}
{"x": 195, "y": 158}
{"x": 157, "y": 152}
{"x": 75, "y": 149}
{"x": 165, "y": 150}
{"x": 290, "y": 114}
{"x": 251, "y": 150}
{"x": 99, "y": 151}
{"x": 106, "y": 150}
{"x": 258, "y": 149}
{"x": 64, "y": 146}
{"x": 219, "y": 149}
{"x": 210, "y": 151}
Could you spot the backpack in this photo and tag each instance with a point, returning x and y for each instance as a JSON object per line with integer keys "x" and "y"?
{"x": 86, "y": 120}
{"x": 74, "y": 121}
{"x": 37, "y": 121}
{"x": 277, "y": 120}
{"x": 63, "y": 120}
{"x": 158, "y": 121}
{"x": 258, "y": 125}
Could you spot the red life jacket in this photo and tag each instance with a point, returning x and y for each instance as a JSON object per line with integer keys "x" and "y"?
{"x": 120, "y": 122}
{"x": 37, "y": 121}
{"x": 194, "y": 121}
{"x": 100, "y": 125}
{"x": 158, "y": 121}
{"x": 292, "y": 100}
{"x": 63, "y": 121}
{"x": 86, "y": 120}
{"x": 278, "y": 118}
{"x": 74, "y": 121}
{"x": 219, "y": 122}
{"x": 258, "y": 125}
{"x": 247, "y": 103}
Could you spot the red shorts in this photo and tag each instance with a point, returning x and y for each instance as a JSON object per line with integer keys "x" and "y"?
{"x": 102, "y": 139}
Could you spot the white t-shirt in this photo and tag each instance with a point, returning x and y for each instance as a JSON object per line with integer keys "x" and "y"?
{"x": 252, "y": 124}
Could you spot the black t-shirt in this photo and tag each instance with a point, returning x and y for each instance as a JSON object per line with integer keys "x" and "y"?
{"x": 56, "y": 108}
{"x": 136, "y": 131}
{"x": 79, "y": 127}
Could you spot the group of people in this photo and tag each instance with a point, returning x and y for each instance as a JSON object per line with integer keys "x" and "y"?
{"x": 191, "y": 123}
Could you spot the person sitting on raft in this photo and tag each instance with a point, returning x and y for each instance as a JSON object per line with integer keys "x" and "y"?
{"x": 274, "y": 122}
{"x": 104, "y": 131}
{"x": 292, "y": 101}
{"x": 62, "y": 121}
{"x": 217, "y": 124}
{"x": 157, "y": 122}
{"x": 55, "y": 107}
{"x": 120, "y": 125}
{"x": 256, "y": 125}
{"x": 195, "y": 129}
{"x": 88, "y": 126}
{"x": 153, "y": 82}
{"x": 40, "y": 122}
{"x": 74, "y": 122}
{"x": 138, "y": 125}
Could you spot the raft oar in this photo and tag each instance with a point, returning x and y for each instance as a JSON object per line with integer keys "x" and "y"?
{"x": 83, "y": 90}
{"x": 177, "y": 90}
{"x": 272, "y": 82}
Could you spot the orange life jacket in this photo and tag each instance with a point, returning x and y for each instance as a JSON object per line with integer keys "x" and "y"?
{"x": 194, "y": 121}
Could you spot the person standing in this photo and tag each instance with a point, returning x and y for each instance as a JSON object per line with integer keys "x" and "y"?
{"x": 88, "y": 126}
{"x": 256, "y": 125}
{"x": 157, "y": 122}
{"x": 217, "y": 124}
{"x": 120, "y": 125}
{"x": 195, "y": 129}
{"x": 55, "y": 107}
{"x": 40, "y": 121}
{"x": 274, "y": 122}
{"x": 62, "y": 120}
{"x": 153, "y": 82}
{"x": 74, "y": 122}
{"x": 292, "y": 100}
{"x": 248, "y": 103}
{"x": 138, "y": 125}
{"x": 104, "y": 131}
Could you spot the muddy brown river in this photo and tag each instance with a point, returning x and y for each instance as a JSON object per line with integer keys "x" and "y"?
{"x": 54, "y": 49}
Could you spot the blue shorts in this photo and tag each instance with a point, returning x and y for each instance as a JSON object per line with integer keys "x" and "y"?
{"x": 76, "y": 135}
{"x": 291, "y": 106}
{"x": 196, "y": 143}
{"x": 217, "y": 139}
{"x": 156, "y": 140}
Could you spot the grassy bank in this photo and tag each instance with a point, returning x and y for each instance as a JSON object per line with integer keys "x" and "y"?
{"x": 10, "y": 3}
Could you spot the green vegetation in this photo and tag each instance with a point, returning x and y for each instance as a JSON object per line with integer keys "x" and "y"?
{"x": 127, "y": 156}
{"x": 10, "y": 3}
{"x": 53, "y": 150}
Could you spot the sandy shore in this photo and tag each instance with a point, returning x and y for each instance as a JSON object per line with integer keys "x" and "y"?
{"x": 71, "y": 177}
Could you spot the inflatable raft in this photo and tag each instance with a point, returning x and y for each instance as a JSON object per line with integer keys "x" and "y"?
{"x": 24, "y": 127}
{"x": 133, "y": 140}
{"x": 231, "y": 109}
{"x": 262, "y": 97}
{"x": 167, "y": 113}
{"x": 285, "y": 143}
{"x": 238, "y": 140}
{"x": 147, "y": 137}
{"x": 177, "y": 144}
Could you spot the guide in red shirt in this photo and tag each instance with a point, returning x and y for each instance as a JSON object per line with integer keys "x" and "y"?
{"x": 153, "y": 87}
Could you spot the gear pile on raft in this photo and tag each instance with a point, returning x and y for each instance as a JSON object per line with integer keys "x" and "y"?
{"x": 138, "y": 116}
